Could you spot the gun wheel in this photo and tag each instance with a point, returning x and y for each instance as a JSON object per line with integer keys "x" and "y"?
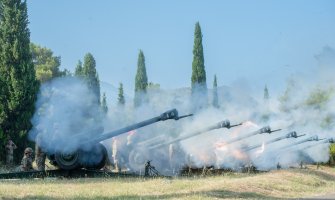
{"x": 94, "y": 158}
{"x": 68, "y": 161}
{"x": 137, "y": 159}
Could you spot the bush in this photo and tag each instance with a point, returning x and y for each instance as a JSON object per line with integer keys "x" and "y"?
{"x": 332, "y": 154}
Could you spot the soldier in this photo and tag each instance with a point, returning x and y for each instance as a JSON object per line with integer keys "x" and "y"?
{"x": 189, "y": 160}
{"x": 116, "y": 154}
{"x": 171, "y": 155}
{"x": 147, "y": 168}
{"x": 27, "y": 160}
{"x": 278, "y": 166}
{"x": 130, "y": 138}
{"x": 39, "y": 153}
{"x": 121, "y": 145}
{"x": 10, "y": 147}
{"x": 128, "y": 147}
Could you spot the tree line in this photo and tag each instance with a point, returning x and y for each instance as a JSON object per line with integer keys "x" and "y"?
{"x": 24, "y": 66}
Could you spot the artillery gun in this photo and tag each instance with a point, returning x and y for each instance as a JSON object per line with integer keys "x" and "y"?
{"x": 327, "y": 141}
{"x": 292, "y": 134}
{"x": 139, "y": 155}
{"x": 222, "y": 124}
{"x": 90, "y": 153}
{"x": 265, "y": 129}
{"x": 309, "y": 139}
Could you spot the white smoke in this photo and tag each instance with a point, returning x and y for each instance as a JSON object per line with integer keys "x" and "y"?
{"x": 66, "y": 105}
{"x": 66, "y": 115}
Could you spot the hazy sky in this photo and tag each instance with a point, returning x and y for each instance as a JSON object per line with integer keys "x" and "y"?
{"x": 245, "y": 42}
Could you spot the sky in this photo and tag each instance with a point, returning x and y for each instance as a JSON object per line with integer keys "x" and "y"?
{"x": 249, "y": 43}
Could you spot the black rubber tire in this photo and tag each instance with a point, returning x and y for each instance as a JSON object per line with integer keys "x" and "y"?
{"x": 94, "y": 158}
{"x": 68, "y": 161}
{"x": 137, "y": 159}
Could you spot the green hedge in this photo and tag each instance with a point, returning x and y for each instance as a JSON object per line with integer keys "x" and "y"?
{"x": 332, "y": 154}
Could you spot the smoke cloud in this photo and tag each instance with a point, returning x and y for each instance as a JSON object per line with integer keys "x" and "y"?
{"x": 65, "y": 109}
{"x": 66, "y": 115}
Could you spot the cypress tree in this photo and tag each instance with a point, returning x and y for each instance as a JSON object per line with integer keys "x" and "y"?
{"x": 266, "y": 93}
{"x": 266, "y": 114}
{"x": 120, "y": 99}
{"x": 79, "y": 69}
{"x": 141, "y": 81}
{"x": 17, "y": 74}
{"x": 3, "y": 91}
{"x": 91, "y": 76}
{"x": 198, "y": 79}
{"x": 215, "y": 93}
{"x": 104, "y": 106}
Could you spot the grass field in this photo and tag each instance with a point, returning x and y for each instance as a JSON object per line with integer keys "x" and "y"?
{"x": 291, "y": 183}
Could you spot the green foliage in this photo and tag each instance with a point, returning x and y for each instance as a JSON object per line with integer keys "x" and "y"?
{"x": 141, "y": 81}
{"x": 104, "y": 106}
{"x": 332, "y": 153}
{"x": 3, "y": 140}
{"x": 285, "y": 100}
{"x": 17, "y": 74}
{"x": 120, "y": 99}
{"x": 66, "y": 72}
{"x": 266, "y": 93}
{"x": 215, "y": 93}
{"x": 332, "y": 149}
{"x": 90, "y": 75}
{"x": 198, "y": 67}
{"x": 327, "y": 122}
{"x": 153, "y": 86}
{"x": 198, "y": 78}
{"x": 319, "y": 98}
{"x": 46, "y": 65}
{"x": 79, "y": 69}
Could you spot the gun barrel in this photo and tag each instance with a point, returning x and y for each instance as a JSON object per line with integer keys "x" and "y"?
{"x": 171, "y": 114}
{"x": 222, "y": 124}
{"x": 265, "y": 129}
{"x": 300, "y": 135}
{"x": 312, "y": 138}
{"x": 275, "y": 130}
{"x": 289, "y": 135}
{"x": 330, "y": 140}
{"x": 235, "y": 125}
{"x": 183, "y": 116}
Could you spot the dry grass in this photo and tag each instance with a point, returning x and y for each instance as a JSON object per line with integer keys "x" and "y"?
{"x": 293, "y": 183}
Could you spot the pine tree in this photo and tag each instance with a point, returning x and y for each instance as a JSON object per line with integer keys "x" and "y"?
{"x": 120, "y": 99}
{"x": 79, "y": 69}
{"x": 46, "y": 64}
{"x": 215, "y": 93}
{"x": 198, "y": 79}
{"x": 153, "y": 86}
{"x": 91, "y": 76}
{"x": 266, "y": 93}
{"x": 141, "y": 81}
{"x": 266, "y": 115}
{"x": 17, "y": 74}
{"x": 104, "y": 106}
